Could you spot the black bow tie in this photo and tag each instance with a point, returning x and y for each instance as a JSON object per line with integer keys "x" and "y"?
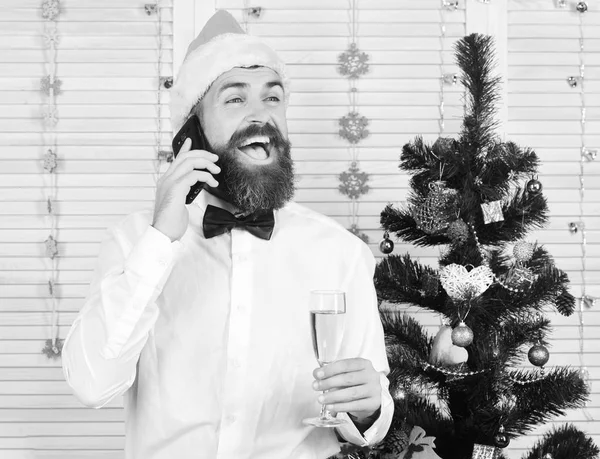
{"x": 218, "y": 221}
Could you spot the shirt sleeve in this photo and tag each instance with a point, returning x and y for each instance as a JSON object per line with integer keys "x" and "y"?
{"x": 102, "y": 348}
{"x": 363, "y": 337}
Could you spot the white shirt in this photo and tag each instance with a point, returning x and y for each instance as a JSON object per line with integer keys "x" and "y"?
{"x": 209, "y": 339}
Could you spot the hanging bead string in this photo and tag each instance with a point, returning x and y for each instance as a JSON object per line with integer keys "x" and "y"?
{"x": 352, "y": 96}
{"x": 50, "y": 86}
{"x": 459, "y": 374}
{"x": 159, "y": 157}
{"x": 442, "y": 66}
{"x": 245, "y": 13}
{"x": 582, "y": 301}
{"x": 524, "y": 382}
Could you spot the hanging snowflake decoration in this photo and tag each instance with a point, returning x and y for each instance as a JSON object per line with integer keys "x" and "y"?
{"x": 50, "y": 161}
{"x": 51, "y": 247}
{"x": 358, "y": 233}
{"x": 354, "y": 182}
{"x": 51, "y": 38}
{"x": 353, "y": 62}
{"x": 50, "y": 9}
{"x": 50, "y": 115}
{"x": 46, "y": 85}
{"x": 353, "y": 127}
{"x": 53, "y": 350}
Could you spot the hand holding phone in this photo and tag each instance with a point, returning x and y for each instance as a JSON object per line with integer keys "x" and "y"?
{"x": 193, "y": 131}
{"x": 189, "y": 168}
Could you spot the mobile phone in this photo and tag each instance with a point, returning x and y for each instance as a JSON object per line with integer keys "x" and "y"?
{"x": 191, "y": 129}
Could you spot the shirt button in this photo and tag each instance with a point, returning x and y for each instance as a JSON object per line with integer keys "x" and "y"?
{"x": 235, "y": 363}
{"x": 230, "y": 419}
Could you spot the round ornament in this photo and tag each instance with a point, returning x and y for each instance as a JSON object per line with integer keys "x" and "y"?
{"x": 458, "y": 232}
{"x": 582, "y": 7}
{"x": 534, "y": 186}
{"x": 501, "y": 440}
{"x": 462, "y": 335}
{"x": 438, "y": 209}
{"x": 538, "y": 355}
{"x": 523, "y": 251}
{"x": 386, "y": 246}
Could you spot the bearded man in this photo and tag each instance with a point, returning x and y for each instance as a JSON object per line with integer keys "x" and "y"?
{"x": 198, "y": 313}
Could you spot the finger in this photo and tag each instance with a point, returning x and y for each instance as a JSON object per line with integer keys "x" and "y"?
{"x": 356, "y": 378}
{"x": 187, "y": 153}
{"x": 341, "y": 366}
{"x": 346, "y": 395}
{"x": 198, "y": 176}
{"x": 365, "y": 405}
{"x": 192, "y": 163}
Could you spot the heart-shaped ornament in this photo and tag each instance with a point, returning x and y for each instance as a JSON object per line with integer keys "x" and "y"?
{"x": 443, "y": 352}
{"x": 461, "y": 284}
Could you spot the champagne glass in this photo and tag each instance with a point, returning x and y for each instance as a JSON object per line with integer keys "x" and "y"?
{"x": 327, "y": 314}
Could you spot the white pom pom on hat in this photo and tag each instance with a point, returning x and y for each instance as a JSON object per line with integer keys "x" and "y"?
{"x": 219, "y": 47}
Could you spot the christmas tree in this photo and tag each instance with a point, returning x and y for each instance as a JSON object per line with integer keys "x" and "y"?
{"x": 479, "y": 197}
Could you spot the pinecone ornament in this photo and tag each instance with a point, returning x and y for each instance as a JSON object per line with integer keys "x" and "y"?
{"x": 395, "y": 441}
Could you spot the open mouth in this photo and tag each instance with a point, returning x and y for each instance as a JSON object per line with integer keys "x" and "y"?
{"x": 257, "y": 148}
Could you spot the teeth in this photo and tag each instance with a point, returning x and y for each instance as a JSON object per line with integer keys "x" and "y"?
{"x": 261, "y": 139}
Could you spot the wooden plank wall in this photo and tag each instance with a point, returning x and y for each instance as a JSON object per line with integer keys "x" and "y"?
{"x": 107, "y": 61}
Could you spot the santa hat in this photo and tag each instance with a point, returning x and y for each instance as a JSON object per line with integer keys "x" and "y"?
{"x": 220, "y": 46}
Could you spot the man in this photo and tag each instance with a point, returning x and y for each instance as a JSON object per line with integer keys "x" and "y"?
{"x": 203, "y": 321}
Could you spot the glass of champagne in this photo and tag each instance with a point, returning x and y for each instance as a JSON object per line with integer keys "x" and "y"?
{"x": 327, "y": 314}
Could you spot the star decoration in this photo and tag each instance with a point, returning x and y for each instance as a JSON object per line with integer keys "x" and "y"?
{"x": 588, "y": 301}
{"x": 478, "y": 182}
{"x": 53, "y": 350}
{"x": 50, "y": 9}
{"x": 50, "y": 116}
{"x": 165, "y": 155}
{"x": 358, "y": 233}
{"x": 353, "y": 62}
{"x": 512, "y": 176}
{"x": 353, "y": 127}
{"x": 353, "y": 182}
{"x": 588, "y": 154}
{"x": 50, "y": 161}
{"x": 51, "y": 247}
{"x": 46, "y": 85}
{"x": 51, "y": 38}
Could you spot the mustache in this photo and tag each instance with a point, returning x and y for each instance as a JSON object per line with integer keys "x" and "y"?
{"x": 275, "y": 136}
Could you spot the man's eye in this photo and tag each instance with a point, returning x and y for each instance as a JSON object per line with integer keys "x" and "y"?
{"x": 235, "y": 100}
{"x": 273, "y": 99}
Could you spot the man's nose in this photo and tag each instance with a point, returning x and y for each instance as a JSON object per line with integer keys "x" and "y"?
{"x": 258, "y": 114}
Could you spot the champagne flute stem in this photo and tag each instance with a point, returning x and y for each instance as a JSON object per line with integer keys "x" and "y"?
{"x": 324, "y": 412}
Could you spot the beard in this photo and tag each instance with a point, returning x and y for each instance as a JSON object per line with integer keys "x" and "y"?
{"x": 256, "y": 187}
